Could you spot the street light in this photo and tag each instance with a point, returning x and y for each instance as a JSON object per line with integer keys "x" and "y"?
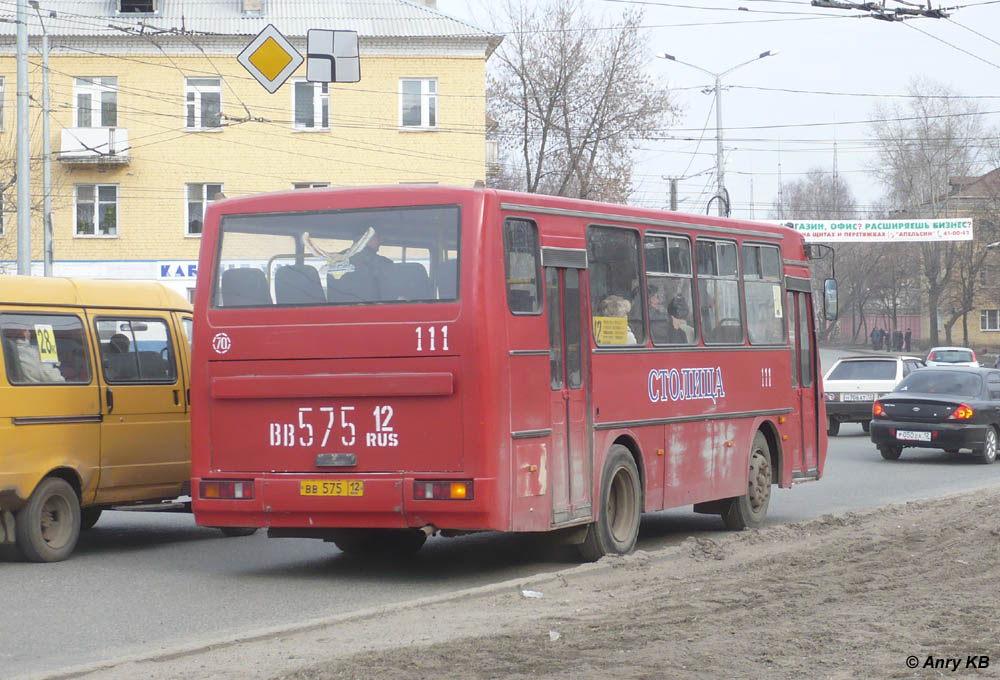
{"x": 721, "y": 194}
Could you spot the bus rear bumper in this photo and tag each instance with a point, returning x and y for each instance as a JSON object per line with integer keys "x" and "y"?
{"x": 385, "y": 502}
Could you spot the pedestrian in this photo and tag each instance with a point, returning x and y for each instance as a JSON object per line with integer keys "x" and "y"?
{"x": 874, "y": 336}
{"x": 897, "y": 340}
{"x": 906, "y": 340}
{"x": 879, "y": 337}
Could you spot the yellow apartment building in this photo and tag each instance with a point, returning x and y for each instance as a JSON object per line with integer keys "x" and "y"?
{"x": 152, "y": 116}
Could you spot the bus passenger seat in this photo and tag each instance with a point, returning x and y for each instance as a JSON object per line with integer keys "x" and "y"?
{"x": 245, "y": 287}
{"x": 447, "y": 279}
{"x": 297, "y": 284}
{"x": 406, "y": 281}
{"x": 356, "y": 286}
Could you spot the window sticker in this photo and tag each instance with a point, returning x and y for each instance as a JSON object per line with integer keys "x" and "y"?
{"x": 46, "y": 343}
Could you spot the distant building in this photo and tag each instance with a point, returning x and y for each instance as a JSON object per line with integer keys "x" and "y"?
{"x": 152, "y": 117}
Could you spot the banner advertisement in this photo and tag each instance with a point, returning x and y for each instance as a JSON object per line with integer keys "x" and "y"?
{"x": 863, "y": 231}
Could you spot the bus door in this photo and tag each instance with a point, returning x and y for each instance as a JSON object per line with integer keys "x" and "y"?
{"x": 570, "y": 458}
{"x": 804, "y": 383}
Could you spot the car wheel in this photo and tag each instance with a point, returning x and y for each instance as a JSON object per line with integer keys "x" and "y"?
{"x": 988, "y": 453}
{"x": 890, "y": 451}
{"x": 832, "y": 427}
{"x": 866, "y": 425}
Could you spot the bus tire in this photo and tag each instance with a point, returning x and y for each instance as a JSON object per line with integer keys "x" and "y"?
{"x": 89, "y": 517}
{"x": 48, "y": 526}
{"x": 619, "y": 508}
{"x": 236, "y": 532}
{"x": 748, "y": 511}
{"x": 832, "y": 427}
{"x": 379, "y": 542}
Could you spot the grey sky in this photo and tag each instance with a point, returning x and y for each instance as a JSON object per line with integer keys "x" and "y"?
{"x": 767, "y": 131}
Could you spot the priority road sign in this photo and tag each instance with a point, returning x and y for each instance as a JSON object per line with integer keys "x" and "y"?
{"x": 270, "y": 58}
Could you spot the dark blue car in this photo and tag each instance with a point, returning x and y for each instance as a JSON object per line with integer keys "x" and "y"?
{"x": 954, "y": 409}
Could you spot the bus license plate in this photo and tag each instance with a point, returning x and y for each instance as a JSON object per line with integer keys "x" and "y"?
{"x": 912, "y": 436}
{"x": 332, "y": 487}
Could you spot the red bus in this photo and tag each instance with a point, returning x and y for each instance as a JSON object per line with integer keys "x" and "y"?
{"x": 376, "y": 365}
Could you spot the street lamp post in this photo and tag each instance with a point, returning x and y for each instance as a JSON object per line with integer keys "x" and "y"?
{"x": 721, "y": 194}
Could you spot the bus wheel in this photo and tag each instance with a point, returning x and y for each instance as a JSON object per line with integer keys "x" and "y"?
{"x": 617, "y": 526}
{"x": 89, "y": 517}
{"x": 832, "y": 427}
{"x": 748, "y": 511}
{"x": 379, "y": 542}
{"x": 890, "y": 451}
{"x": 48, "y": 526}
{"x": 236, "y": 532}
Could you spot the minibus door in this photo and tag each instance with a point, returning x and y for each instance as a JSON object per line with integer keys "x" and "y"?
{"x": 145, "y": 446}
{"x": 570, "y": 462}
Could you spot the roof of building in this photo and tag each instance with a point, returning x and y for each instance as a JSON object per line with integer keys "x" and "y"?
{"x": 984, "y": 186}
{"x": 370, "y": 18}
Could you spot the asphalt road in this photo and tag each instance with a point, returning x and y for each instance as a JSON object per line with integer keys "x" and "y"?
{"x": 141, "y": 583}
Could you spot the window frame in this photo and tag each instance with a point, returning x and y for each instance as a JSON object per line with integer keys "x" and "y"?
{"x": 593, "y": 303}
{"x": 97, "y": 210}
{"x": 670, "y": 275}
{"x": 537, "y": 252}
{"x": 205, "y": 200}
{"x": 716, "y": 276}
{"x": 172, "y": 359}
{"x": 762, "y": 277}
{"x": 429, "y": 111}
{"x": 984, "y": 315}
{"x": 84, "y": 347}
{"x": 318, "y": 103}
{"x": 96, "y": 87}
{"x": 194, "y": 105}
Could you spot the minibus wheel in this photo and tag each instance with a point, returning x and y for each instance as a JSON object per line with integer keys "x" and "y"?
{"x": 619, "y": 508}
{"x": 832, "y": 427}
{"x": 748, "y": 511}
{"x": 89, "y": 517}
{"x": 48, "y": 526}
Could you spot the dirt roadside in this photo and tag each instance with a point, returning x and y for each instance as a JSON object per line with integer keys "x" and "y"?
{"x": 851, "y": 596}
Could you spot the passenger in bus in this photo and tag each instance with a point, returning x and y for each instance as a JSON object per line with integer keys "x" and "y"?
{"x": 368, "y": 256}
{"x": 668, "y": 321}
{"x": 118, "y": 343}
{"x": 27, "y": 359}
{"x": 617, "y": 306}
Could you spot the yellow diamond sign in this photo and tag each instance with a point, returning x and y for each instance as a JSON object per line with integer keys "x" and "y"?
{"x": 270, "y": 58}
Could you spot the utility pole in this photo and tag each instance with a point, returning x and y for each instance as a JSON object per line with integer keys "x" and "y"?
{"x": 47, "y": 253}
{"x": 721, "y": 194}
{"x": 673, "y": 193}
{"x": 23, "y": 167}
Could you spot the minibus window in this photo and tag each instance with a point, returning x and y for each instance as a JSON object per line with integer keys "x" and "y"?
{"x": 44, "y": 349}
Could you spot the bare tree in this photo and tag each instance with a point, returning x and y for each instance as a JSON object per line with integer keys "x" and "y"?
{"x": 920, "y": 146}
{"x": 572, "y": 100}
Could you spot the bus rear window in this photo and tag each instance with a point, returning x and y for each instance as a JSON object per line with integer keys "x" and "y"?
{"x": 346, "y": 257}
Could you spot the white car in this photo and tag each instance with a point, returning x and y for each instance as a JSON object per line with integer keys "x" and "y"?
{"x": 951, "y": 356}
{"x": 853, "y": 384}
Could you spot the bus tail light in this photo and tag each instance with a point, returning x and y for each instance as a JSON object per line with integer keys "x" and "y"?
{"x": 237, "y": 489}
{"x": 877, "y": 410}
{"x": 443, "y": 490}
{"x": 963, "y": 412}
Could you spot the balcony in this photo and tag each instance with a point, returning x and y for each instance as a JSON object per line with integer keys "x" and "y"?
{"x": 94, "y": 146}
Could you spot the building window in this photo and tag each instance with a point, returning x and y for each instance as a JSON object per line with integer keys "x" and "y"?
{"x": 136, "y": 6}
{"x": 310, "y": 185}
{"x": 96, "y": 209}
{"x": 989, "y": 319}
{"x": 312, "y": 105}
{"x": 96, "y": 101}
{"x": 198, "y": 196}
{"x": 204, "y": 103}
{"x": 418, "y": 103}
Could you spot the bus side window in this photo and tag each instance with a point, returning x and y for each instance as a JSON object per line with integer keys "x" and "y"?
{"x": 613, "y": 255}
{"x": 523, "y": 266}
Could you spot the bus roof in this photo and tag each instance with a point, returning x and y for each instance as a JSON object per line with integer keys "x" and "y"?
{"x": 441, "y": 192}
{"x": 36, "y": 290}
